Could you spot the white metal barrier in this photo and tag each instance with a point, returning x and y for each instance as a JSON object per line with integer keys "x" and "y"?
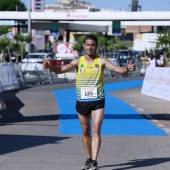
{"x": 34, "y": 73}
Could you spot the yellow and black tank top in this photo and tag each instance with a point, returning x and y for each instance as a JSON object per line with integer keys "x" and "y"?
{"x": 89, "y": 80}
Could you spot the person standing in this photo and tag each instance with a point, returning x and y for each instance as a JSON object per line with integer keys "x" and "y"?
{"x": 160, "y": 59}
{"x": 90, "y": 95}
{"x": 152, "y": 60}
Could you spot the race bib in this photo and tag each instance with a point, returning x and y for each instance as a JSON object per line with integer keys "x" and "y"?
{"x": 88, "y": 92}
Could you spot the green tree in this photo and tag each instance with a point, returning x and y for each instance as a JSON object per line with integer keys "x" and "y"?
{"x": 102, "y": 43}
{"x": 163, "y": 42}
{"x": 12, "y": 5}
{"x": 5, "y": 41}
{"x": 110, "y": 43}
{"x": 118, "y": 46}
{"x": 4, "y": 47}
{"x": 78, "y": 46}
{"x": 21, "y": 40}
{"x": 4, "y": 29}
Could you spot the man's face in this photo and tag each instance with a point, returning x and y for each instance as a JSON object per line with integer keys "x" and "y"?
{"x": 90, "y": 47}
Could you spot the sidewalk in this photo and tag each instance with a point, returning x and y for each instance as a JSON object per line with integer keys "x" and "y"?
{"x": 30, "y": 139}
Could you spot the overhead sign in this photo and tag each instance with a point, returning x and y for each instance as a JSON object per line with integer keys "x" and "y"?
{"x": 54, "y": 29}
{"x": 39, "y": 40}
{"x": 116, "y": 28}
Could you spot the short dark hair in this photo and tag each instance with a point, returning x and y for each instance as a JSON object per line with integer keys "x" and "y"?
{"x": 91, "y": 37}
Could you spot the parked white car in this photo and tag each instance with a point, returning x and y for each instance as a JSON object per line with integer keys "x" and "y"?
{"x": 33, "y": 63}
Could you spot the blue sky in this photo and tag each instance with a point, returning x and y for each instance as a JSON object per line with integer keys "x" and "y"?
{"x": 147, "y": 5}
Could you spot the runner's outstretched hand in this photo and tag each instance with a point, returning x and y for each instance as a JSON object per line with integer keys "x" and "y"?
{"x": 131, "y": 66}
{"x": 46, "y": 63}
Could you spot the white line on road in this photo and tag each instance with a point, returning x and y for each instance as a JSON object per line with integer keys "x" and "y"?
{"x": 155, "y": 120}
{"x": 166, "y": 129}
{"x": 160, "y": 125}
{"x": 132, "y": 104}
{"x": 140, "y": 109}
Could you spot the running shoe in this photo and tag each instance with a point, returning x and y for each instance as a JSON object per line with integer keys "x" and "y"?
{"x": 94, "y": 165}
{"x": 86, "y": 165}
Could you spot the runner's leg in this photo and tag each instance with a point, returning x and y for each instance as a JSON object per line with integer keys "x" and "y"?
{"x": 86, "y": 138}
{"x": 97, "y": 118}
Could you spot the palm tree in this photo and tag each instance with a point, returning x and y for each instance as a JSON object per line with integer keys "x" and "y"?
{"x": 4, "y": 29}
{"x": 163, "y": 42}
{"x": 4, "y": 47}
{"x": 102, "y": 43}
{"x": 5, "y": 41}
{"x": 21, "y": 41}
{"x": 78, "y": 46}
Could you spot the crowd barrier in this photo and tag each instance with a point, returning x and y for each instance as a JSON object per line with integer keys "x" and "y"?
{"x": 156, "y": 79}
{"x": 8, "y": 79}
{"x": 35, "y": 74}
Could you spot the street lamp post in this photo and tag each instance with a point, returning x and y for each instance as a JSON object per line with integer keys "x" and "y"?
{"x": 29, "y": 22}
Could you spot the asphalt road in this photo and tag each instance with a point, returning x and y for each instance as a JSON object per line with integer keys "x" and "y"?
{"x": 29, "y": 138}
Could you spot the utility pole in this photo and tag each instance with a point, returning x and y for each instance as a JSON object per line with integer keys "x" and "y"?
{"x": 29, "y": 23}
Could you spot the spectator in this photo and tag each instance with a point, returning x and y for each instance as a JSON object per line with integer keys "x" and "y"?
{"x": 152, "y": 60}
{"x": 160, "y": 59}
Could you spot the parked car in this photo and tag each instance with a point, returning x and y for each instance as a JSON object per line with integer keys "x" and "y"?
{"x": 112, "y": 57}
{"x": 126, "y": 55}
{"x": 43, "y": 51}
{"x": 33, "y": 63}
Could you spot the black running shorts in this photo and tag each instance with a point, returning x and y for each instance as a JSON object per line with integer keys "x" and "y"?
{"x": 85, "y": 108}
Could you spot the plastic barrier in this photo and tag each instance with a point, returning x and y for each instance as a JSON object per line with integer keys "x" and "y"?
{"x": 8, "y": 78}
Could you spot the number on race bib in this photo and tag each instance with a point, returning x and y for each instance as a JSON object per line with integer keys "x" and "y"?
{"x": 88, "y": 92}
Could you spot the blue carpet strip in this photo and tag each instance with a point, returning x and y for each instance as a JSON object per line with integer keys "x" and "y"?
{"x": 120, "y": 118}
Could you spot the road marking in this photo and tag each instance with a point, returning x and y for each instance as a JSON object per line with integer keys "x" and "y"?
{"x": 132, "y": 104}
{"x": 166, "y": 129}
{"x": 161, "y": 125}
{"x": 140, "y": 109}
{"x": 155, "y": 120}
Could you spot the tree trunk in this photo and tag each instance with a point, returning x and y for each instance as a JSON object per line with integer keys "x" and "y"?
{"x": 167, "y": 59}
{"x": 3, "y": 56}
{"x": 9, "y": 55}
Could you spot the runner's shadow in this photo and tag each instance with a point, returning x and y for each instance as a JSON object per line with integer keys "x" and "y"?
{"x": 11, "y": 105}
{"x": 13, "y": 143}
{"x": 10, "y": 110}
{"x": 139, "y": 163}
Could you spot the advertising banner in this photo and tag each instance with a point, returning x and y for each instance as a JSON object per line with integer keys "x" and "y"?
{"x": 157, "y": 83}
{"x": 150, "y": 40}
{"x": 64, "y": 50}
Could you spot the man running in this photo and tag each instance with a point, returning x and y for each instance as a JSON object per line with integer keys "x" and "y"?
{"x": 90, "y": 95}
